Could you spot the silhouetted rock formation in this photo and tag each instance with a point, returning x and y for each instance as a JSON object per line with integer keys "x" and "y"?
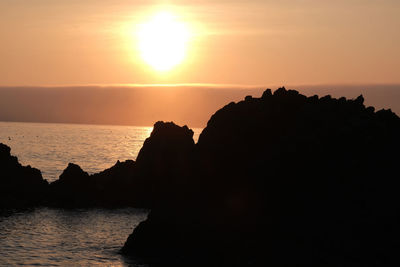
{"x": 20, "y": 186}
{"x": 109, "y": 188}
{"x": 282, "y": 179}
{"x": 161, "y": 170}
{"x": 144, "y": 183}
{"x": 164, "y": 162}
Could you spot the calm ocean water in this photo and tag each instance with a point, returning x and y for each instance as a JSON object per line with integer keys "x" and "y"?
{"x": 50, "y": 146}
{"x": 57, "y": 237}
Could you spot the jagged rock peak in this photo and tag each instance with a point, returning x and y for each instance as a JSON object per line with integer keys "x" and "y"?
{"x": 267, "y": 93}
{"x": 280, "y": 91}
{"x": 170, "y": 128}
{"x": 72, "y": 171}
{"x": 359, "y": 100}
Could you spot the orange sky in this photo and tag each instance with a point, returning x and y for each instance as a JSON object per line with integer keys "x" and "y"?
{"x": 65, "y": 42}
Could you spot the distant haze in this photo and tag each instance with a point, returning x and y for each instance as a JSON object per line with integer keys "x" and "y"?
{"x": 144, "y": 105}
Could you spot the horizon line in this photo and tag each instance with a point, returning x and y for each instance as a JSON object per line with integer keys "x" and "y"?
{"x": 204, "y": 85}
{"x": 94, "y": 123}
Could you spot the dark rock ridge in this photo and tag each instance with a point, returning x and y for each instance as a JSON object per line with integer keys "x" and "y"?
{"x": 20, "y": 186}
{"x": 110, "y": 188}
{"x": 148, "y": 182}
{"x": 283, "y": 179}
{"x": 142, "y": 184}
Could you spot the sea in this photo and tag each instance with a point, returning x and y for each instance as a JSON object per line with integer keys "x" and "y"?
{"x": 61, "y": 237}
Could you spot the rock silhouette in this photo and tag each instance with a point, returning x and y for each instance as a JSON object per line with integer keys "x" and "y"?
{"x": 110, "y": 188}
{"x": 145, "y": 183}
{"x": 20, "y": 186}
{"x": 164, "y": 163}
{"x": 283, "y": 179}
{"x": 148, "y": 182}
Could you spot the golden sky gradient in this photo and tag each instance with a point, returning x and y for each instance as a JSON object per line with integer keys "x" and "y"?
{"x": 65, "y": 42}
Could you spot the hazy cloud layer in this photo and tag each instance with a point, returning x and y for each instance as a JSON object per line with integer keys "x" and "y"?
{"x": 144, "y": 105}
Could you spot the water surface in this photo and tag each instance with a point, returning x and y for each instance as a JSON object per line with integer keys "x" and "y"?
{"x": 57, "y": 237}
{"x": 51, "y": 146}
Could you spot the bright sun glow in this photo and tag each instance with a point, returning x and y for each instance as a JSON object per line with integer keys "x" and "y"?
{"x": 162, "y": 41}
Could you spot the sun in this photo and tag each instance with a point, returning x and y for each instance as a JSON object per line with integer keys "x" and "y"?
{"x": 162, "y": 41}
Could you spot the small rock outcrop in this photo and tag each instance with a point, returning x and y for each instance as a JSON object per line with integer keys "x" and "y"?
{"x": 20, "y": 186}
{"x": 110, "y": 188}
{"x": 282, "y": 179}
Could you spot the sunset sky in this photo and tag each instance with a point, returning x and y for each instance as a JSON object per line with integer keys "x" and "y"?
{"x": 264, "y": 42}
{"x": 97, "y": 61}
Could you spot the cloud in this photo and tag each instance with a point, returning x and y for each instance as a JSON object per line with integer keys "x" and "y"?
{"x": 143, "y": 105}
